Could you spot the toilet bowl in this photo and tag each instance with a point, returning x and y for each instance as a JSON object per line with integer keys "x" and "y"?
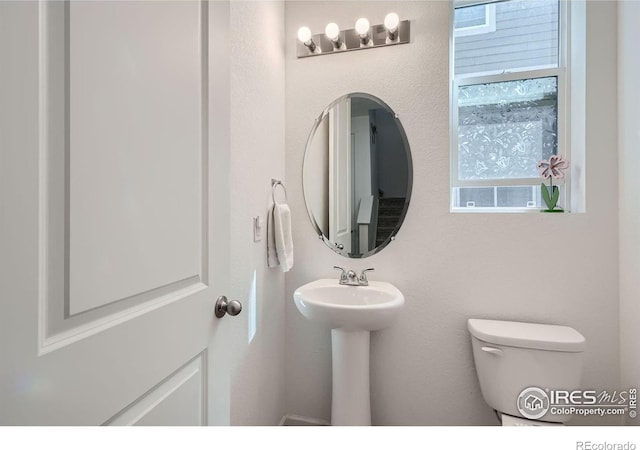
{"x": 519, "y": 365}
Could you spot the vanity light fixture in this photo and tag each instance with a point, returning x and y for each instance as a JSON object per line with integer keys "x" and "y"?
{"x": 363, "y": 29}
{"x": 391, "y": 22}
{"x": 392, "y": 31}
{"x": 304, "y": 36}
{"x": 332, "y": 31}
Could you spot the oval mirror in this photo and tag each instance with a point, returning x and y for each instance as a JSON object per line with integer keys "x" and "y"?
{"x": 357, "y": 175}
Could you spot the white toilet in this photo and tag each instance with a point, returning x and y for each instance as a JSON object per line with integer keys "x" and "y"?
{"x": 519, "y": 364}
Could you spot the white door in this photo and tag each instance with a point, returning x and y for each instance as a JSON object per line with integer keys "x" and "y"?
{"x": 113, "y": 214}
{"x": 340, "y": 176}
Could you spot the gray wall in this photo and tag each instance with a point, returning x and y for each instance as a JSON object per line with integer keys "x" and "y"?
{"x": 449, "y": 266}
{"x": 392, "y": 164}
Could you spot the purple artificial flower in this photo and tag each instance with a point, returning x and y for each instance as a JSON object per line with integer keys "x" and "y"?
{"x": 554, "y": 167}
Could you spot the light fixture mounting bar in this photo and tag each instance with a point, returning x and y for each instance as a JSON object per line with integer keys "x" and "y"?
{"x": 352, "y": 41}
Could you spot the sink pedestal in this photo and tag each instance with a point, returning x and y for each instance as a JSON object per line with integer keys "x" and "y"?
{"x": 351, "y": 312}
{"x": 350, "y": 403}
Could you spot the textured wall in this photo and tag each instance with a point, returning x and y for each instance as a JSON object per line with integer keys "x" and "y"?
{"x": 546, "y": 268}
{"x": 256, "y": 156}
{"x": 629, "y": 147}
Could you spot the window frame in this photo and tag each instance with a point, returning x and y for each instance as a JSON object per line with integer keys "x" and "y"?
{"x": 489, "y": 25}
{"x": 561, "y": 72}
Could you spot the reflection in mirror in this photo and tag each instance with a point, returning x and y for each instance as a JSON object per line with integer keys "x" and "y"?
{"x": 357, "y": 175}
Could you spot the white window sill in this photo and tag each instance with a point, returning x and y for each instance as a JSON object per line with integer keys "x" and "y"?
{"x": 477, "y": 210}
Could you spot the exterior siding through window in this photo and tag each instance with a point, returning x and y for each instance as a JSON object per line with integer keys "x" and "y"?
{"x": 526, "y": 36}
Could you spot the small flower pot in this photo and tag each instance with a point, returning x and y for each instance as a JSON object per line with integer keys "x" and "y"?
{"x": 550, "y": 195}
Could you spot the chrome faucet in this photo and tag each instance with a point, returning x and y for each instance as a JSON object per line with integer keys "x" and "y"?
{"x": 349, "y": 278}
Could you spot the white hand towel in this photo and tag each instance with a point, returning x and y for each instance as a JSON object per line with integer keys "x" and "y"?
{"x": 283, "y": 238}
{"x": 272, "y": 256}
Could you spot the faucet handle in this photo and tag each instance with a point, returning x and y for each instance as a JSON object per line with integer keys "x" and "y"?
{"x": 343, "y": 275}
{"x": 363, "y": 275}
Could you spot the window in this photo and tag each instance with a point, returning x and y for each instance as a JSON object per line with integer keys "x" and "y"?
{"x": 473, "y": 20}
{"x": 507, "y": 101}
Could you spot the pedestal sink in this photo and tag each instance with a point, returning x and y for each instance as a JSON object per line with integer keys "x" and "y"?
{"x": 351, "y": 312}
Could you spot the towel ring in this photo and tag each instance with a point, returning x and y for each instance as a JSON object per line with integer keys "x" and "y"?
{"x": 274, "y": 185}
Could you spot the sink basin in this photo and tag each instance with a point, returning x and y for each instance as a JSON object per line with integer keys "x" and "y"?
{"x": 352, "y": 313}
{"x": 368, "y": 308}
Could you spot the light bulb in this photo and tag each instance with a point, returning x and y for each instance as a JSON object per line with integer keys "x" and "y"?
{"x": 391, "y": 22}
{"x": 332, "y": 31}
{"x": 362, "y": 26}
{"x": 304, "y": 34}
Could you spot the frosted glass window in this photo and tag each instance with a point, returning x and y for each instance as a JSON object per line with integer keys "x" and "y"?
{"x": 505, "y": 128}
{"x": 508, "y": 92}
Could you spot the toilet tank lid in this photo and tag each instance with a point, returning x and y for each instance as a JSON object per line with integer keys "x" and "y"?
{"x": 527, "y": 335}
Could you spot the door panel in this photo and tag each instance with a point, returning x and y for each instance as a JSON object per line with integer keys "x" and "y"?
{"x": 107, "y": 290}
{"x": 182, "y": 391}
{"x": 135, "y": 148}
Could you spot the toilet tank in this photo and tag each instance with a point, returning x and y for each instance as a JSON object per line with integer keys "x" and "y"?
{"x": 513, "y": 356}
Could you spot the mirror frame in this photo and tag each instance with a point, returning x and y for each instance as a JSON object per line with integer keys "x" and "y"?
{"x": 407, "y": 150}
